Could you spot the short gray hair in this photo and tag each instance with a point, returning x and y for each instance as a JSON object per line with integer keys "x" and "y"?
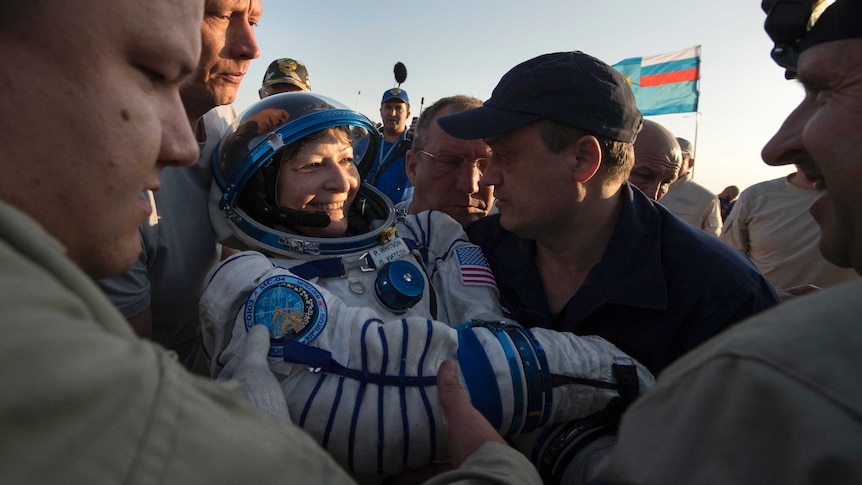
{"x": 429, "y": 115}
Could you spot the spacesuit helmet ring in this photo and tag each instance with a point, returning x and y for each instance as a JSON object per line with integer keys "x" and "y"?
{"x": 246, "y": 170}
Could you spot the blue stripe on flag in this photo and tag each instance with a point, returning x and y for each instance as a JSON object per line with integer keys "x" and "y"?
{"x": 667, "y": 98}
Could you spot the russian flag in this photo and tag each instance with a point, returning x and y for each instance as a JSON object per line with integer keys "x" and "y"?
{"x": 666, "y": 83}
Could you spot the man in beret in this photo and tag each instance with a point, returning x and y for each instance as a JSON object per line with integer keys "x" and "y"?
{"x": 284, "y": 76}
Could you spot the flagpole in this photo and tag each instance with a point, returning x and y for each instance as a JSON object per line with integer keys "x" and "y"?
{"x": 696, "y": 112}
{"x": 694, "y": 143}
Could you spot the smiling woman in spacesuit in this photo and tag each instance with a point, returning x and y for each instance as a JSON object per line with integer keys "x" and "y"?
{"x": 318, "y": 175}
{"x": 359, "y": 301}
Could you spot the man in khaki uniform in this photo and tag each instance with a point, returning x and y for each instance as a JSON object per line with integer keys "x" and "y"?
{"x": 689, "y": 200}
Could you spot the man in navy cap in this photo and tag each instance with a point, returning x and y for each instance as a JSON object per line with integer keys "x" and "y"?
{"x": 574, "y": 247}
{"x": 389, "y": 173}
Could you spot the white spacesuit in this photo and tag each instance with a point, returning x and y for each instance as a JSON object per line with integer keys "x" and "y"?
{"x": 357, "y": 322}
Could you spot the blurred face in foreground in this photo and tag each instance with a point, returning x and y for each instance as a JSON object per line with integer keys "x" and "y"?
{"x": 95, "y": 94}
{"x": 320, "y": 177}
{"x": 821, "y": 136}
{"x": 446, "y": 174}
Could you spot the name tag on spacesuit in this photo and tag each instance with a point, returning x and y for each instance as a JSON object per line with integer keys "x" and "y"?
{"x": 389, "y": 252}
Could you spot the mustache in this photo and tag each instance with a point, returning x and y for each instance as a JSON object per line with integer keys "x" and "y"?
{"x": 804, "y": 161}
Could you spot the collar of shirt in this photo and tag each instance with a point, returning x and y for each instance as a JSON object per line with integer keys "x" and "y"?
{"x": 629, "y": 273}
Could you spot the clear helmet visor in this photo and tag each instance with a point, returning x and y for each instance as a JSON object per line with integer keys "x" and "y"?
{"x": 269, "y": 125}
{"x": 244, "y": 182}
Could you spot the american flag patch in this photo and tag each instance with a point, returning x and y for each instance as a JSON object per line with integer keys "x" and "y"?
{"x": 474, "y": 267}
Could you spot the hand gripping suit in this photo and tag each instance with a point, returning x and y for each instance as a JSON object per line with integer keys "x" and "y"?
{"x": 357, "y": 323}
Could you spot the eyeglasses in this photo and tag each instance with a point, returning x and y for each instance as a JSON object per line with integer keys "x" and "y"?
{"x": 451, "y": 162}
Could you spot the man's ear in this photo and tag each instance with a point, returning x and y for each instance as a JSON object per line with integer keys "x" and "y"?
{"x": 410, "y": 161}
{"x": 587, "y": 153}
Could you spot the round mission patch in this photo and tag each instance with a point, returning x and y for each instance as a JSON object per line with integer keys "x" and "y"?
{"x": 290, "y": 307}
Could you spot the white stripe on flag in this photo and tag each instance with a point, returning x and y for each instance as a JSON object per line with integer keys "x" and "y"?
{"x": 671, "y": 56}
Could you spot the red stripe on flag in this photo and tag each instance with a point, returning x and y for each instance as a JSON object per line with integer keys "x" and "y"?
{"x": 477, "y": 275}
{"x": 669, "y": 77}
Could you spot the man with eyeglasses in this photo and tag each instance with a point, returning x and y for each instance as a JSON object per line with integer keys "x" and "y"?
{"x": 574, "y": 248}
{"x": 444, "y": 170}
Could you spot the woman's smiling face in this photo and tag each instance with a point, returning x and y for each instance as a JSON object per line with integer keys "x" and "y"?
{"x": 320, "y": 177}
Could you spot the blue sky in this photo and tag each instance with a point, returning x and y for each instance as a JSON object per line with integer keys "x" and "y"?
{"x": 464, "y": 47}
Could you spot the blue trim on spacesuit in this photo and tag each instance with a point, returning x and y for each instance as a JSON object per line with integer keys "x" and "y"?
{"x": 538, "y": 402}
{"x": 321, "y": 361}
{"x": 332, "y": 412}
{"x": 432, "y": 425}
{"x": 384, "y": 361}
{"x": 479, "y": 375}
{"x": 354, "y": 421}
{"x": 515, "y": 372}
{"x": 547, "y": 387}
{"x": 405, "y": 424}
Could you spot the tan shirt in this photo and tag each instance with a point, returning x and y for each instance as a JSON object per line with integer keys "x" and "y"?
{"x": 773, "y": 400}
{"x": 771, "y": 224}
{"x": 694, "y": 204}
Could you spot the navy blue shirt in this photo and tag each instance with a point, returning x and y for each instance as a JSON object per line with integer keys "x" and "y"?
{"x": 661, "y": 288}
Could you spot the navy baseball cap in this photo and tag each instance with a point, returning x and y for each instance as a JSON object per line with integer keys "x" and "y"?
{"x": 571, "y": 88}
{"x": 396, "y": 93}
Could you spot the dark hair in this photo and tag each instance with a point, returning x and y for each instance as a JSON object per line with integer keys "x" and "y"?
{"x": 617, "y": 157}
{"x": 429, "y": 115}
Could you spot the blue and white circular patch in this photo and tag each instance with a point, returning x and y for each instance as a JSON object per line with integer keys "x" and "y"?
{"x": 290, "y": 307}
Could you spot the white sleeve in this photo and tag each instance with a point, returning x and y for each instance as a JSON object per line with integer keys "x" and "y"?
{"x": 366, "y": 388}
{"x": 464, "y": 284}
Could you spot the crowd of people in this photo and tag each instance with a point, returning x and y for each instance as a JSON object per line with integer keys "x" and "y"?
{"x": 299, "y": 294}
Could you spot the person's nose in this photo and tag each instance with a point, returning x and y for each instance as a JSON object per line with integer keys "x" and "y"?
{"x": 468, "y": 177}
{"x": 787, "y": 141}
{"x": 241, "y": 41}
{"x": 491, "y": 175}
{"x": 178, "y": 147}
{"x": 340, "y": 179}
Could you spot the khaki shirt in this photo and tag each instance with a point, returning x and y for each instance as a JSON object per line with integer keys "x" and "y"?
{"x": 776, "y": 399}
{"x": 694, "y": 204}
